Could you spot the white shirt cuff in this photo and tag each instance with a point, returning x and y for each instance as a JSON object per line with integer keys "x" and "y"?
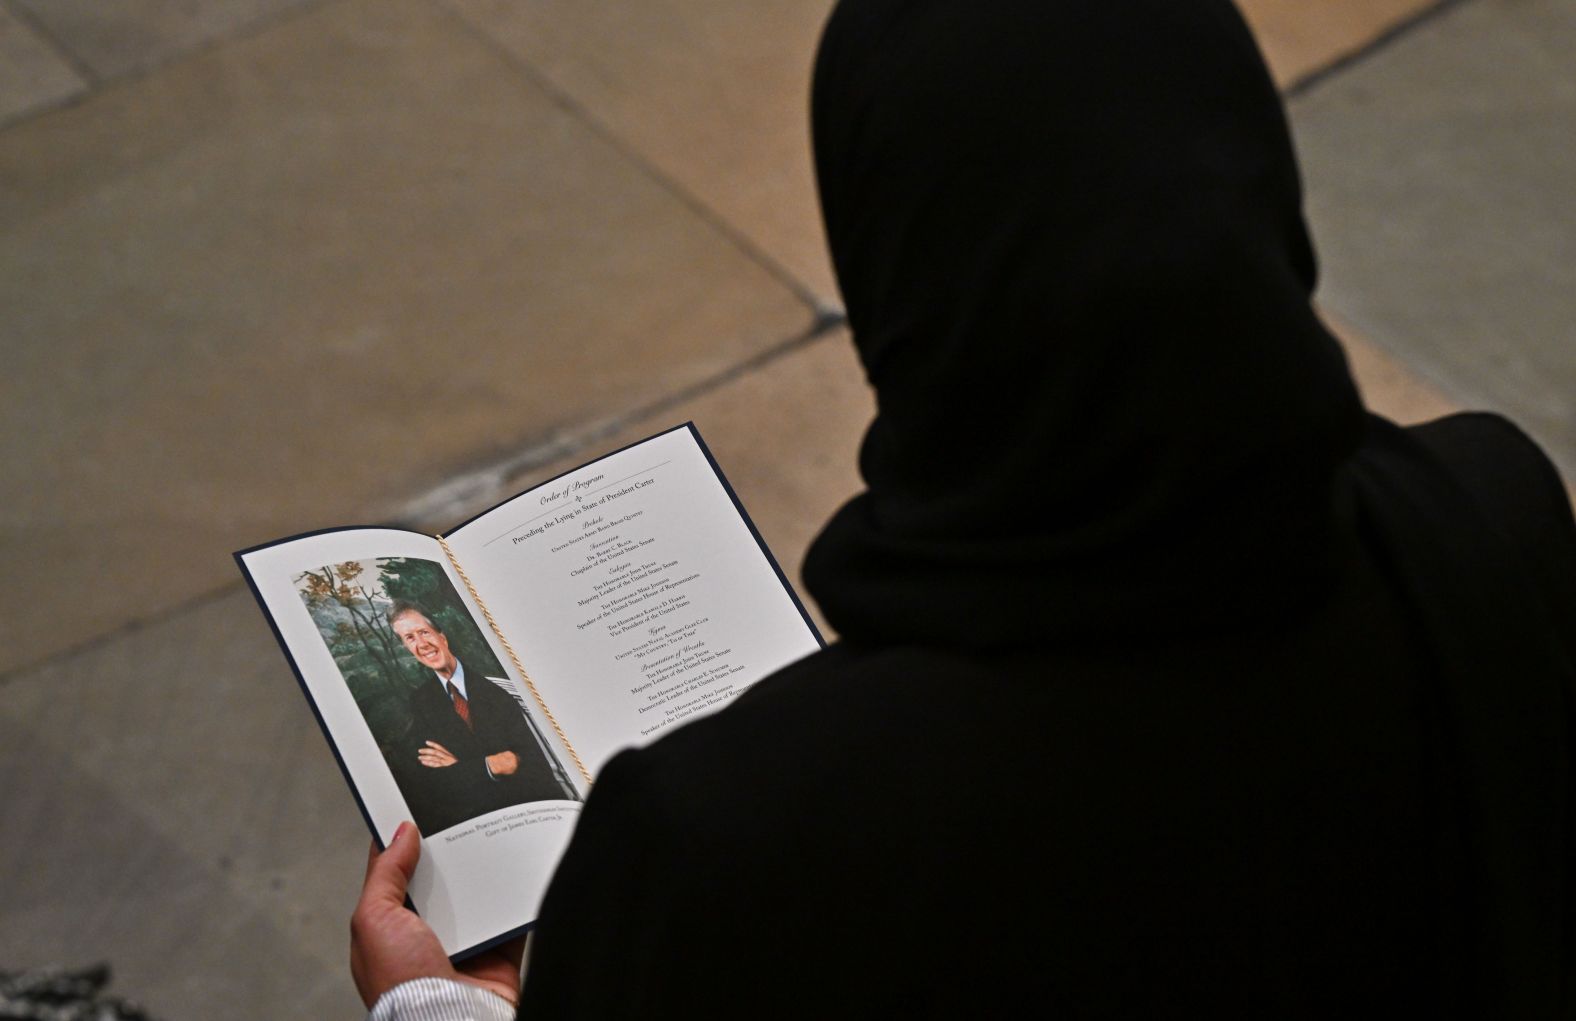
{"x": 440, "y": 999}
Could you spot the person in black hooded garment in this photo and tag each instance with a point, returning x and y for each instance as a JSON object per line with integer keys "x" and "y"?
{"x": 1169, "y": 679}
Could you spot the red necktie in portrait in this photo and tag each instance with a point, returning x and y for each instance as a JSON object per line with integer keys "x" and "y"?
{"x": 460, "y": 705}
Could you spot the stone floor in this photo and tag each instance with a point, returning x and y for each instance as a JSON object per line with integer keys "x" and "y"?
{"x": 271, "y": 265}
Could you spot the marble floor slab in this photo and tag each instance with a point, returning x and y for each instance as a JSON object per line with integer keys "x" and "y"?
{"x": 171, "y": 808}
{"x": 1387, "y": 386}
{"x": 715, "y": 94}
{"x": 1300, "y": 38}
{"x": 1441, "y": 185}
{"x": 293, "y": 281}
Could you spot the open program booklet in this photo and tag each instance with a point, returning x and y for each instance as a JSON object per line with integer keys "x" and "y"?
{"x": 476, "y": 682}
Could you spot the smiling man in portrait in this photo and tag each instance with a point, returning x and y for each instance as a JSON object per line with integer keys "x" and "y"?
{"x": 470, "y": 749}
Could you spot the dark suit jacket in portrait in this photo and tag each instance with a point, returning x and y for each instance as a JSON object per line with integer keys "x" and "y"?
{"x": 449, "y": 795}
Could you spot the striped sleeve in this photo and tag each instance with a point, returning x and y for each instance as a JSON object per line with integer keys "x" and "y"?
{"x": 439, "y": 999}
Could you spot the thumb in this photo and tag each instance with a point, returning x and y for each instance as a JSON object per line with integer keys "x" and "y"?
{"x": 388, "y": 874}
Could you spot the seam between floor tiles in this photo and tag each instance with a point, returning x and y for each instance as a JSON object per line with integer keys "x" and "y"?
{"x": 90, "y": 78}
{"x": 465, "y": 488}
{"x": 501, "y": 478}
{"x": 666, "y": 181}
{"x": 120, "y": 631}
{"x": 96, "y": 83}
{"x": 1378, "y": 43}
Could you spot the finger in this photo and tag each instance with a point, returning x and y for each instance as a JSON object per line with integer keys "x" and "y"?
{"x": 388, "y": 874}
{"x": 438, "y": 747}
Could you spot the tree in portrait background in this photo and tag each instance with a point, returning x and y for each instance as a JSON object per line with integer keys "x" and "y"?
{"x": 349, "y": 602}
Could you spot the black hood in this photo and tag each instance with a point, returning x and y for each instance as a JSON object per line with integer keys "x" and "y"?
{"x": 1070, "y": 241}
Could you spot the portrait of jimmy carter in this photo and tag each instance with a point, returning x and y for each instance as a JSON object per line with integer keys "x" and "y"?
{"x": 470, "y": 750}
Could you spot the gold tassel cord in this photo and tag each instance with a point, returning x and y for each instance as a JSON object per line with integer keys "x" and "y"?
{"x": 516, "y": 661}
